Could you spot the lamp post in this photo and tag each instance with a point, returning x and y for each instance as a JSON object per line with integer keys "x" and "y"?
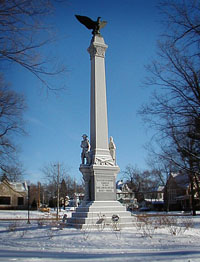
{"x": 58, "y": 191}
{"x": 28, "y": 222}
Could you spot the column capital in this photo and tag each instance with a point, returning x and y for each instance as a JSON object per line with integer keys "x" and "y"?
{"x": 97, "y": 47}
{"x": 96, "y": 50}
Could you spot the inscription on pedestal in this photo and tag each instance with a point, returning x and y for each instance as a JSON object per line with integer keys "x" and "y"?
{"x": 104, "y": 185}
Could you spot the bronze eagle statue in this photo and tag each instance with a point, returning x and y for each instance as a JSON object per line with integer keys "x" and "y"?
{"x": 90, "y": 24}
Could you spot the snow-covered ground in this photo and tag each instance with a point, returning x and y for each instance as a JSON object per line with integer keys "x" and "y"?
{"x": 152, "y": 239}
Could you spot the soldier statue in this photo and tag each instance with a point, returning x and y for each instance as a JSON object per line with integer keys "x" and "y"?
{"x": 85, "y": 145}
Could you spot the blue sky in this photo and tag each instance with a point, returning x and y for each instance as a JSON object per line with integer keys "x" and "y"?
{"x": 55, "y": 123}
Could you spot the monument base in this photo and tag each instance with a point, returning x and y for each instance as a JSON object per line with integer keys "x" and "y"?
{"x": 100, "y": 215}
{"x": 100, "y": 209}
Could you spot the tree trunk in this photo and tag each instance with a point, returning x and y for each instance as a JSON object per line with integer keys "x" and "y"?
{"x": 192, "y": 196}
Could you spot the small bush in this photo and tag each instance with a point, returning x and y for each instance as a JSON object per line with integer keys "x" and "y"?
{"x": 146, "y": 226}
{"x": 12, "y": 227}
{"x": 187, "y": 223}
{"x": 40, "y": 223}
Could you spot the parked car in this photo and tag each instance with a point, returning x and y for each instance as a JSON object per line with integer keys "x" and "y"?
{"x": 45, "y": 209}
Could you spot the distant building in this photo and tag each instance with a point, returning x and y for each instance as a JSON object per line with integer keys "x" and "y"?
{"x": 125, "y": 195}
{"x": 154, "y": 199}
{"x": 76, "y": 200}
{"x": 178, "y": 192}
{"x": 13, "y": 195}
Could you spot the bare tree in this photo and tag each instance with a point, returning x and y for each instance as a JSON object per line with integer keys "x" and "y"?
{"x": 175, "y": 107}
{"x": 53, "y": 178}
{"x": 63, "y": 191}
{"x": 12, "y": 107}
{"x": 24, "y": 32}
{"x": 13, "y": 172}
{"x": 50, "y": 171}
{"x": 141, "y": 182}
{"x": 182, "y": 22}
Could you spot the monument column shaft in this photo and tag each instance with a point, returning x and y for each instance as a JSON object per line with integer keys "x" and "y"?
{"x": 98, "y": 110}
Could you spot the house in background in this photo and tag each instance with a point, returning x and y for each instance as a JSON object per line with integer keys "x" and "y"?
{"x": 154, "y": 200}
{"x": 177, "y": 194}
{"x": 125, "y": 195}
{"x": 13, "y": 195}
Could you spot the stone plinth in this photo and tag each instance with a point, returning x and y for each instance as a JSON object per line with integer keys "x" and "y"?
{"x": 99, "y": 214}
{"x": 100, "y": 182}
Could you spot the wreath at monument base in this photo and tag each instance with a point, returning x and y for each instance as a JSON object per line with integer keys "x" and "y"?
{"x": 115, "y": 218}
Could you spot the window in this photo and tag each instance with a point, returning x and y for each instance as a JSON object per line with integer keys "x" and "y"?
{"x": 172, "y": 195}
{"x": 20, "y": 201}
{"x": 4, "y": 200}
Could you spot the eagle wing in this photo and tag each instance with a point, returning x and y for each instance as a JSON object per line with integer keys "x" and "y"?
{"x": 86, "y": 21}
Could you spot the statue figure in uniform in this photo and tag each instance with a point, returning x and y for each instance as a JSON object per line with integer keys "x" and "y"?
{"x": 85, "y": 145}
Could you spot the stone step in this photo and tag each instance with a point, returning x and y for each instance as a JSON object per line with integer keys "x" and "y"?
{"x": 104, "y": 203}
{"x": 100, "y": 209}
{"x": 115, "y": 227}
{"x": 91, "y": 220}
{"x": 100, "y": 214}
{"x": 98, "y": 206}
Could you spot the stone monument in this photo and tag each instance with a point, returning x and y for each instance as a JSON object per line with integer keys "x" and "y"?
{"x": 98, "y": 166}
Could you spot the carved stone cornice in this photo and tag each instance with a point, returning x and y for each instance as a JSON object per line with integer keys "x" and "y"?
{"x": 103, "y": 161}
{"x": 97, "y": 50}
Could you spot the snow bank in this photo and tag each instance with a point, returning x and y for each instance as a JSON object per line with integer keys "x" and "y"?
{"x": 50, "y": 241}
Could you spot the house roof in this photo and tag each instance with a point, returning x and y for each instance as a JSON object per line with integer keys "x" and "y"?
{"x": 181, "y": 179}
{"x": 119, "y": 184}
{"x": 16, "y": 186}
{"x": 122, "y": 187}
{"x": 19, "y": 187}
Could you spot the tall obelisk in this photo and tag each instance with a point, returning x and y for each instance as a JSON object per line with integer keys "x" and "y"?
{"x": 103, "y": 169}
{"x": 100, "y": 173}
{"x": 100, "y": 169}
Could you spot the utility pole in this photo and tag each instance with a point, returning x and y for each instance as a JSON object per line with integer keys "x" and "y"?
{"x": 75, "y": 195}
{"x": 58, "y": 191}
{"x": 38, "y": 203}
{"x": 43, "y": 197}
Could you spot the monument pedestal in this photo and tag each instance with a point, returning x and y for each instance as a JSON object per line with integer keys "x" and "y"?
{"x": 100, "y": 182}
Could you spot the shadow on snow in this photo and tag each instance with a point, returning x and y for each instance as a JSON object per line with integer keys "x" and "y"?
{"x": 86, "y": 256}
